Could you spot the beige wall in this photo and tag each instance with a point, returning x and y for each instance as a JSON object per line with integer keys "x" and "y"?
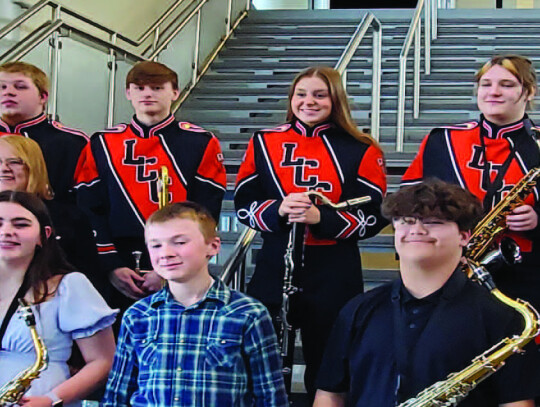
{"x": 141, "y": 13}
{"x": 491, "y": 3}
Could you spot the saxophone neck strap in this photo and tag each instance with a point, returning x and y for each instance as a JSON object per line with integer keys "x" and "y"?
{"x": 12, "y": 308}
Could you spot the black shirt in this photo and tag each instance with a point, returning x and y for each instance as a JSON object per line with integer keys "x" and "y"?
{"x": 379, "y": 362}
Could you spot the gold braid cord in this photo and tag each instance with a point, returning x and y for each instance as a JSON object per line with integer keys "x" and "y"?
{"x": 12, "y": 391}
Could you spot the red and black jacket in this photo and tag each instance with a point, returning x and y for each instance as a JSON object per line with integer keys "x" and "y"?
{"x": 473, "y": 155}
{"x": 117, "y": 177}
{"x": 295, "y": 158}
{"x": 61, "y": 147}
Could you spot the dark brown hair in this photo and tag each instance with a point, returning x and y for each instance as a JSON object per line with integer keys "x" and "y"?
{"x": 187, "y": 210}
{"x": 49, "y": 259}
{"x": 436, "y": 199}
{"x": 150, "y": 72}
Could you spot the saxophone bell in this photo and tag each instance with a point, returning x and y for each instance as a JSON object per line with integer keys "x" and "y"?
{"x": 507, "y": 254}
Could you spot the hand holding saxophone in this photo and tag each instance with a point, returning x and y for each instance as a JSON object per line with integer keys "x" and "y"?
{"x": 522, "y": 219}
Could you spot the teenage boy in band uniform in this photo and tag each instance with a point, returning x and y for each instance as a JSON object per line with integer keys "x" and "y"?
{"x": 195, "y": 342}
{"x": 398, "y": 339}
{"x": 117, "y": 176}
{"x": 24, "y": 94}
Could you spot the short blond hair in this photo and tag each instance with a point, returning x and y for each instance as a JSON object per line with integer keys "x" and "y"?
{"x": 30, "y": 152}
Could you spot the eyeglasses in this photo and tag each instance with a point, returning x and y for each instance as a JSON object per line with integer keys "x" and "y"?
{"x": 12, "y": 162}
{"x": 409, "y": 221}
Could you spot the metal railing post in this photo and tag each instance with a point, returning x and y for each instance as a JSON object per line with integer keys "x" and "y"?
{"x": 156, "y": 39}
{"x": 54, "y": 61}
{"x": 197, "y": 44}
{"x": 229, "y": 14}
{"x": 427, "y": 37}
{"x": 434, "y": 19}
{"x": 416, "y": 83}
{"x": 112, "y": 83}
{"x": 376, "y": 84}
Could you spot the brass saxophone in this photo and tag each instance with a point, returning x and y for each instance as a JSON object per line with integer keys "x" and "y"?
{"x": 449, "y": 392}
{"x": 494, "y": 223}
{"x": 12, "y": 391}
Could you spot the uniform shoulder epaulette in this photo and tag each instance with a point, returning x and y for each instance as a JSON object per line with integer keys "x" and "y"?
{"x": 462, "y": 126}
{"x": 119, "y": 128}
{"x": 60, "y": 126}
{"x": 192, "y": 127}
{"x": 278, "y": 129}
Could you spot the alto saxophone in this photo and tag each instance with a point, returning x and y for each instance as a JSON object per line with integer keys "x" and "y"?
{"x": 494, "y": 223}
{"x": 455, "y": 388}
{"x": 12, "y": 391}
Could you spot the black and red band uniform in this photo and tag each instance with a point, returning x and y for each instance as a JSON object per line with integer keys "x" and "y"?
{"x": 62, "y": 147}
{"x": 117, "y": 181}
{"x": 476, "y": 155}
{"x": 296, "y": 158}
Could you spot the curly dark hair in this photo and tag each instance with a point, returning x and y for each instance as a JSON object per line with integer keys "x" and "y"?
{"x": 435, "y": 199}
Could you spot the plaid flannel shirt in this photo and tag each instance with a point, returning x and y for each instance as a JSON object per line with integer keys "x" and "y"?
{"x": 221, "y": 351}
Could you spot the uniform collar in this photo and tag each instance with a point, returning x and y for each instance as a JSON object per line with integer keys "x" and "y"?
{"x": 449, "y": 290}
{"x": 218, "y": 292}
{"x": 493, "y": 131}
{"x": 144, "y": 131}
{"x": 22, "y": 125}
{"x": 301, "y": 128}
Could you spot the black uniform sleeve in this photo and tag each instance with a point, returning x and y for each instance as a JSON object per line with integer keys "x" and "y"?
{"x": 253, "y": 207}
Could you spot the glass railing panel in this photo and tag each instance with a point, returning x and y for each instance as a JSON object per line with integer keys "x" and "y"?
{"x": 179, "y": 54}
{"x": 213, "y": 27}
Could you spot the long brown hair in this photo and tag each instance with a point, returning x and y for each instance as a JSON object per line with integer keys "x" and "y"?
{"x": 48, "y": 260}
{"x": 341, "y": 112}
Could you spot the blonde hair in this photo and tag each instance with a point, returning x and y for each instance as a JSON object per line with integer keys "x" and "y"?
{"x": 30, "y": 152}
{"x": 519, "y": 66}
{"x": 341, "y": 112}
{"x": 38, "y": 77}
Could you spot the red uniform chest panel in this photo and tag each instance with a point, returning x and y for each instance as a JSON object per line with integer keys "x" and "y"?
{"x": 469, "y": 157}
{"x": 302, "y": 164}
{"x": 469, "y": 154}
{"x": 136, "y": 164}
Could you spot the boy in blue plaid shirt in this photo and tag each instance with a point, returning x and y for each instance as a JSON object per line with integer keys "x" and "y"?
{"x": 195, "y": 342}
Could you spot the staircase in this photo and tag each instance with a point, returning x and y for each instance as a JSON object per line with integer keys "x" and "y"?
{"x": 246, "y": 87}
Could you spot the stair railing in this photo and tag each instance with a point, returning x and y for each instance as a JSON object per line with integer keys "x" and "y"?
{"x": 197, "y": 74}
{"x": 368, "y": 20}
{"x": 234, "y": 269}
{"x": 56, "y": 27}
{"x": 415, "y": 31}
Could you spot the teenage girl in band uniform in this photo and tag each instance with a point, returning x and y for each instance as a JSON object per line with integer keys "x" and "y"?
{"x": 318, "y": 149}
{"x": 489, "y": 156}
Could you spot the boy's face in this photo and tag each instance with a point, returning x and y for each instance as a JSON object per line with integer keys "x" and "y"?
{"x": 428, "y": 240}
{"x": 152, "y": 99}
{"x": 178, "y": 250}
{"x": 20, "y": 99}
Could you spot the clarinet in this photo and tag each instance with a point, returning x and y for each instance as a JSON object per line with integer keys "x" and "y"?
{"x": 289, "y": 289}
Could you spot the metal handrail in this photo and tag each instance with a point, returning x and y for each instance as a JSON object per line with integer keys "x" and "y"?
{"x": 198, "y": 75}
{"x": 44, "y": 3}
{"x": 415, "y": 31}
{"x": 112, "y": 47}
{"x": 235, "y": 261}
{"x": 346, "y": 57}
